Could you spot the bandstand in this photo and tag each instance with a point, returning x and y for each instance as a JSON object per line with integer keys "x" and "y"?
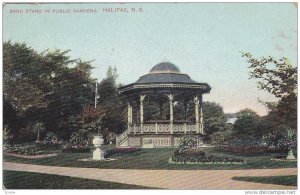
{"x": 164, "y": 84}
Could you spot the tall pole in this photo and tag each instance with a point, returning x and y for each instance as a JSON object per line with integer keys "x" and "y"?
{"x": 96, "y": 93}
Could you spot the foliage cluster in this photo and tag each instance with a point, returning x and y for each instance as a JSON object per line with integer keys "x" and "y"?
{"x": 214, "y": 118}
{"x": 247, "y": 122}
{"x": 281, "y": 140}
{"x": 223, "y": 137}
{"x": 50, "y": 141}
{"x": 188, "y": 142}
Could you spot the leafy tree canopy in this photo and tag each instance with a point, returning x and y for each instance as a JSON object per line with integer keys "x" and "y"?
{"x": 116, "y": 113}
{"x": 214, "y": 117}
{"x": 278, "y": 77}
{"x": 247, "y": 122}
{"x": 48, "y": 86}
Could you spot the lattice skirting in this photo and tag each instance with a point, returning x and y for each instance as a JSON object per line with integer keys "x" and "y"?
{"x": 157, "y": 141}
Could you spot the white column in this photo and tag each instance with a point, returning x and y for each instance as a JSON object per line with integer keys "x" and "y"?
{"x": 128, "y": 113}
{"x": 201, "y": 116}
{"x": 171, "y": 98}
{"x": 142, "y": 97}
{"x": 131, "y": 114}
{"x": 196, "y": 100}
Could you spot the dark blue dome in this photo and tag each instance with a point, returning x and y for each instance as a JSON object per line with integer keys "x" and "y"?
{"x": 165, "y": 67}
{"x": 165, "y": 72}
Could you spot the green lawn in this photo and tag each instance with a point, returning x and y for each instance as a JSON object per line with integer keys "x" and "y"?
{"x": 27, "y": 180}
{"x": 153, "y": 159}
{"x": 290, "y": 180}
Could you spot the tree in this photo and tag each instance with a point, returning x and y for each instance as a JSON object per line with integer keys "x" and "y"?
{"x": 20, "y": 87}
{"x": 45, "y": 87}
{"x": 278, "y": 77}
{"x": 21, "y": 90}
{"x": 115, "y": 106}
{"x": 107, "y": 89}
{"x": 88, "y": 123}
{"x": 214, "y": 117}
{"x": 247, "y": 122}
{"x": 70, "y": 91}
{"x": 223, "y": 137}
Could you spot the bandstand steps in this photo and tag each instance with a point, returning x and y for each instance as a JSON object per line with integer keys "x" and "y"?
{"x": 122, "y": 139}
{"x": 123, "y": 143}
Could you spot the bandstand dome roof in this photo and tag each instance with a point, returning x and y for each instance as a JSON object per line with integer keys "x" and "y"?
{"x": 165, "y": 72}
{"x": 164, "y": 75}
{"x": 165, "y": 67}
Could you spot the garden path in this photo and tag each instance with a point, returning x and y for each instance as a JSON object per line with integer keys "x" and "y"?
{"x": 168, "y": 179}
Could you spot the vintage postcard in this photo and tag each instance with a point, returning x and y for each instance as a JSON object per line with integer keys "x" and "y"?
{"x": 176, "y": 96}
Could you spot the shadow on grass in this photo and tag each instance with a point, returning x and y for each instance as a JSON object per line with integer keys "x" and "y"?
{"x": 290, "y": 180}
{"x": 27, "y": 180}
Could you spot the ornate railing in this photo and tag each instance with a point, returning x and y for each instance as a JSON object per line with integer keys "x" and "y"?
{"x": 162, "y": 128}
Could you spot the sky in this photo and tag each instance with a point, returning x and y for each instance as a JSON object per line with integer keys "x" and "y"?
{"x": 203, "y": 40}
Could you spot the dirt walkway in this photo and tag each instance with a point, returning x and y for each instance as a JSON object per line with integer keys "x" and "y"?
{"x": 168, "y": 179}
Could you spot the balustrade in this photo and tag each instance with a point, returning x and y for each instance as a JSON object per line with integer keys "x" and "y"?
{"x": 162, "y": 128}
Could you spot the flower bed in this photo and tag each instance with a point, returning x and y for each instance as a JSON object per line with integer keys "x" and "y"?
{"x": 191, "y": 155}
{"x": 283, "y": 159}
{"x": 208, "y": 162}
{"x": 76, "y": 149}
{"x": 46, "y": 144}
{"x": 25, "y": 150}
{"x": 197, "y": 156}
{"x": 50, "y": 141}
{"x": 32, "y": 156}
{"x": 247, "y": 149}
{"x": 120, "y": 151}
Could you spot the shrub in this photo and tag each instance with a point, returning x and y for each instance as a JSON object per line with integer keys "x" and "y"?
{"x": 50, "y": 141}
{"x": 82, "y": 138}
{"x": 188, "y": 142}
{"x": 188, "y": 155}
{"x": 222, "y": 137}
{"x": 78, "y": 143}
{"x": 281, "y": 140}
{"x": 246, "y": 140}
